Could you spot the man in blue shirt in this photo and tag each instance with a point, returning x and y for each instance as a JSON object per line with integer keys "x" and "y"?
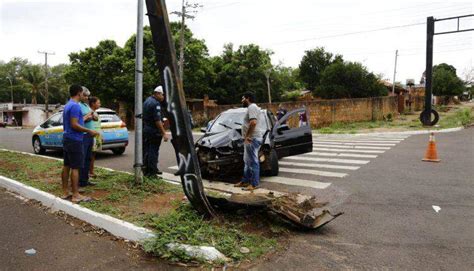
{"x": 72, "y": 144}
{"x": 153, "y": 132}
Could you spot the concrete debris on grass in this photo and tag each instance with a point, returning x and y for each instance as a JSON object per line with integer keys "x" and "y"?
{"x": 203, "y": 252}
{"x": 302, "y": 210}
{"x": 244, "y": 250}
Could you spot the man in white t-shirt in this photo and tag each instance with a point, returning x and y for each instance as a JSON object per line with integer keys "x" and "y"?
{"x": 252, "y": 134}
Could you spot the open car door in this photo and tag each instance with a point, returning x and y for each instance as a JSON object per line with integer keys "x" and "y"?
{"x": 292, "y": 133}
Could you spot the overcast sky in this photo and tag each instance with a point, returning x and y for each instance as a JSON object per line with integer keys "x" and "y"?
{"x": 287, "y": 28}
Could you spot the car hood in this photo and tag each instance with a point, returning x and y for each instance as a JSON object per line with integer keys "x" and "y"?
{"x": 223, "y": 139}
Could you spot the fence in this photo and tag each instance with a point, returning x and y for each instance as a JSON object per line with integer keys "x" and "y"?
{"x": 322, "y": 112}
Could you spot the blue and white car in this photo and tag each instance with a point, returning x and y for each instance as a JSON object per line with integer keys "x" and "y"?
{"x": 49, "y": 135}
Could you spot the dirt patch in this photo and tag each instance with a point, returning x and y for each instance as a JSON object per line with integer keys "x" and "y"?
{"x": 99, "y": 194}
{"x": 9, "y": 166}
{"x": 160, "y": 203}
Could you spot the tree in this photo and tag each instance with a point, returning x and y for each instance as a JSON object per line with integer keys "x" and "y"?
{"x": 445, "y": 81}
{"x": 285, "y": 83}
{"x": 198, "y": 71}
{"x": 349, "y": 80}
{"x": 58, "y": 87}
{"x": 33, "y": 78}
{"x": 100, "y": 69}
{"x": 312, "y": 65}
{"x": 12, "y": 71}
{"x": 240, "y": 71}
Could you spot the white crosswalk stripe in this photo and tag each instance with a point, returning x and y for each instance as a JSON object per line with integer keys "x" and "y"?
{"x": 342, "y": 154}
{"x": 327, "y": 160}
{"x": 352, "y": 147}
{"x": 296, "y": 182}
{"x": 316, "y": 165}
{"x": 355, "y": 141}
{"x": 345, "y": 150}
{"x": 353, "y": 144}
{"x": 336, "y": 155}
{"x": 313, "y": 172}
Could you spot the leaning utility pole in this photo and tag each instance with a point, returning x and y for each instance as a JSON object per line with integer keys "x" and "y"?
{"x": 186, "y": 9}
{"x": 46, "y": 96}
{"x": 394, "y": 71}
{"x": 139, "y": 95}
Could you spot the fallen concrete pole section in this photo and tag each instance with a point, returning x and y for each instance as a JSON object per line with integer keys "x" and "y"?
{"x": 304, "y": 211}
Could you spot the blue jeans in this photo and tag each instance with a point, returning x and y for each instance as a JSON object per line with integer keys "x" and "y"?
{"x": 252, "y": 164}
{"x": 87, "y": 147}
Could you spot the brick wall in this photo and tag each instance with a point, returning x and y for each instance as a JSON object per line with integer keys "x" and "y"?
{"x": 323, "y": 112}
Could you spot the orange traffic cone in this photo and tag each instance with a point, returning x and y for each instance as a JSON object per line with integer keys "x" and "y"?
{"x": 431, "y": 154}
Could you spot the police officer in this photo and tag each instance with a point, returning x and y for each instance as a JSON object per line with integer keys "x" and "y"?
{"x": 153, "y": 131}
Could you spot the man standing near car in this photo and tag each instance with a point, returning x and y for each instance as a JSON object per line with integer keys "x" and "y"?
{"x": 73, "y": 144}
{"x": 153, "y": 132}
{"x": 252, "y": 134}
{"x": 281, "y": 112}
{"x": 88, "y": 140}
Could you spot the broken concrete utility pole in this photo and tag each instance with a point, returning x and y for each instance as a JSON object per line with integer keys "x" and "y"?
{"x": 301, "y": 210}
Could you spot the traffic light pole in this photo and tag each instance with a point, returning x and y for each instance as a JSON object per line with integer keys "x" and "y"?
{"x": 425, "y": 116}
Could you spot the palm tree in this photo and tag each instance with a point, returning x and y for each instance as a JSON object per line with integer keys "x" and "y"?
{"x": 33, "y": 75}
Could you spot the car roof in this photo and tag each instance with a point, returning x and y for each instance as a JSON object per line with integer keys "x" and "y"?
{"x": 103, "y": 109}
{"x": 239, "y": 110}
{"x": 100, "y": 110}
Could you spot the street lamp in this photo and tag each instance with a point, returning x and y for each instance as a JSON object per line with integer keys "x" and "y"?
{"x": 11, "y": 87}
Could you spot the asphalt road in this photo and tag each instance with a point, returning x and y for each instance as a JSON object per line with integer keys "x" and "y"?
{"x": 389, "y": 220}
{"x": 58, "y": 245}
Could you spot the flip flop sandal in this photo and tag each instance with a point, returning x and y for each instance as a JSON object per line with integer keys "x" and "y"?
{"x": 86, "y": 199}
{"x": 68, "y": 197}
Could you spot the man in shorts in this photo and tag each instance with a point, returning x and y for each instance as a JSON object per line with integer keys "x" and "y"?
{"x": 73, "y": 144}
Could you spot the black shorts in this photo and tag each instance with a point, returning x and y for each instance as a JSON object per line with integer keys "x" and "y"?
{"x": 73, "y": 154}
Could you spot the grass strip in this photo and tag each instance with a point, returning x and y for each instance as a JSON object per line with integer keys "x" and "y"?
{"x": 154, "y": 204}
{"x": 450, "y": 117}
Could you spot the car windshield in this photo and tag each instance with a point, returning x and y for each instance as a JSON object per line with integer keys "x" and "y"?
{"x": 227, "y": 121}
{"x": 108, "y": 117}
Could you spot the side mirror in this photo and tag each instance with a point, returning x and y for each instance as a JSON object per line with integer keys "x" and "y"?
{"x": 280, "y": 130}
{"x": 203, "y": 129}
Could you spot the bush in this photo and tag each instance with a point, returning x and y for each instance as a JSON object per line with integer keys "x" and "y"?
{"x": 349, "y": 80}
{"x": 465, "y": 116}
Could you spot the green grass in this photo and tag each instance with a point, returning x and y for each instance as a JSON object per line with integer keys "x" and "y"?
{"x": 461, "y": 117}
{"x": 184, "y": 225}
{"x": 122, "y": 199}
{"x": 458, "y": 116}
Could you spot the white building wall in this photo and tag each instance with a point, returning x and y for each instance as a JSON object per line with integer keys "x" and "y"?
{"x": 33, "y": 117}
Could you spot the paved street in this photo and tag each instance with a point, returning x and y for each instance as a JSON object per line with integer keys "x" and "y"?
{"x": 389, "y": 220}
{"x": 334, "y": 157}
{"x": 58, "y": 245}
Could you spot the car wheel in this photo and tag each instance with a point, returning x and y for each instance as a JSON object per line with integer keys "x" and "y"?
{"x": 118, "y": 151}
{"x": 37, "y": 148}
{"x": 273, "y": 160}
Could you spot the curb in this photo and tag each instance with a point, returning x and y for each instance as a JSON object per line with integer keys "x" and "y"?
{"x": 113, "y": 225}
{"x": 419, "y": 132}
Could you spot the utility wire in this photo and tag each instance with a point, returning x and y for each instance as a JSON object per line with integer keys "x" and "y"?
{"x": 351, "y": 33}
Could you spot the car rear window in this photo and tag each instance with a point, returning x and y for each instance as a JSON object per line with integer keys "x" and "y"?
{"x": 109, "y": 117}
